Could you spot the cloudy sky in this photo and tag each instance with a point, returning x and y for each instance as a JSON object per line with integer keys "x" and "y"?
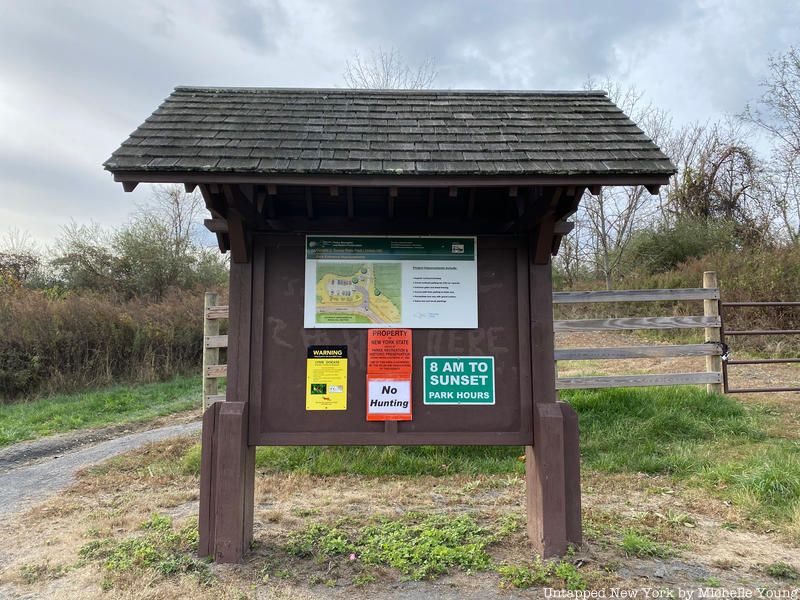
{"x": 76, "y": 77}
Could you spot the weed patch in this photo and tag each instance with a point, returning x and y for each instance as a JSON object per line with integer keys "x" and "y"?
{"x": 782, "y": 570}
{"x": 160, "y": 549}
{"x": 420, "y": 547}
{"x": 35, "y": 573}
{"x": 556, "y": 574}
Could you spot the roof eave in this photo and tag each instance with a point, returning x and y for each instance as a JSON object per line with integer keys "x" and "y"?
{"x": 392, "y": 179}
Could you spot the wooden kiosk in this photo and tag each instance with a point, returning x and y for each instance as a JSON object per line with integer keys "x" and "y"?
{"x": 498, "y": 173}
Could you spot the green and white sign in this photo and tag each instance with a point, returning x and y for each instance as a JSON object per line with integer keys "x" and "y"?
{"x": 375, "y": 281}
{"x": 458, "y": 380}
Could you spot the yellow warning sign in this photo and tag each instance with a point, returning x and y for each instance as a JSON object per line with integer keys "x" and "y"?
{"x": 326, "y": 378}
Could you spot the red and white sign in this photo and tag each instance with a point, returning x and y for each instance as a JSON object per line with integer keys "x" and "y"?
{"x": 389, "y": 375}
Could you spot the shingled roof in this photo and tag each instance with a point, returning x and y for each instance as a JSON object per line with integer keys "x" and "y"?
{"x": 267, "y": 131}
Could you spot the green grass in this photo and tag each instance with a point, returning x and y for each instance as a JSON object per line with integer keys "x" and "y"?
{"x": 377, "y": 461}
{"x": 703, "y": 440}
{"x": 636, "y": 543}
{"x": 666, "y": 430}
{"x": 111, "y": 406}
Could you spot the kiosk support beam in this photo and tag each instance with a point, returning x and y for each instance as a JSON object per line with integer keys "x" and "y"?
{"x": 552, "y": 464}
{"x": 227, "y": 464}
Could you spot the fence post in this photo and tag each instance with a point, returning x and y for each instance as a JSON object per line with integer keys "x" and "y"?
{"x": 712, "y": 334}
{"x": 210, "y": 355}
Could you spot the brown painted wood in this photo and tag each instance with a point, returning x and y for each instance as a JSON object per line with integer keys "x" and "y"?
{"x": 572, "y": 475}
{"x": 543, "y": 241}
{"x": 542, "y": 336}
{"x": 206, "y": 522}
{"x": 239, "y": 332}
{"x": 545, "y": 475}
{"x": 278, "y": 415}
{"x": 422, "y": 181}
{"x": 231, "y": 465}
{"x": 238, "y": 238}
{"x": 216, "y": 225}
{"x": 545, "y": 482}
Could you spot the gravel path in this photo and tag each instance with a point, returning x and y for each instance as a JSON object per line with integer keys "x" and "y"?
{"x": 21, "y": 486}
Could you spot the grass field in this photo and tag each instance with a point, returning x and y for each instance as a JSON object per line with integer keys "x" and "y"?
{"x": 98, "y": 408}
{"x": 707, "y": 441}
{"x": 685, "y": 488}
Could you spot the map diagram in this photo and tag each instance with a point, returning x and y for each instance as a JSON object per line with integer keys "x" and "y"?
{"x": 359, "y": 293}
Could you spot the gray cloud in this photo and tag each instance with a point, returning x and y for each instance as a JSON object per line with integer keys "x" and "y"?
{"x": 77, "y": 77}
{"x": 258, "y": 24}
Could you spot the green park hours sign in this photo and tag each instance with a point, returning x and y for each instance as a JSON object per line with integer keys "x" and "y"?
{"x": 458, "y": 380}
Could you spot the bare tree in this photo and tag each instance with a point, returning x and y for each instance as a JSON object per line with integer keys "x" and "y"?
{"x": 778, "y": 110}
{"x": 720, "y": 176}
{"x": 20, "y": 259}
{"x": 777, "y": 113}
{"x": 386, "y": 70}
{"x": 611, "y": 217}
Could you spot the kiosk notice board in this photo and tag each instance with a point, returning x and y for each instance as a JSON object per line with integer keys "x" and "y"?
{"x": 420, "y": 379}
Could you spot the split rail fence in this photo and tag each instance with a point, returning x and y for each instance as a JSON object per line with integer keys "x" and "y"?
{"x": 710, "y": 321}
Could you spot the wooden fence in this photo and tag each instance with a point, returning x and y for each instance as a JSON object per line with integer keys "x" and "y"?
{"x": 212, "y": 343}
{"x": 710, "y": 321}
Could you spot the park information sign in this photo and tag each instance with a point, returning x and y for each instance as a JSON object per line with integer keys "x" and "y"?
{"x": 417, "y": 282}
{"x": 458, "y": 380}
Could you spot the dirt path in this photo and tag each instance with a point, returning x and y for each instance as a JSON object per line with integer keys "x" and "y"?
{"x": 32, "y": 471}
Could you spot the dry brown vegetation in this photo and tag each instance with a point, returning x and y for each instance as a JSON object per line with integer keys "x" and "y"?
{"x": 89, "y": 340}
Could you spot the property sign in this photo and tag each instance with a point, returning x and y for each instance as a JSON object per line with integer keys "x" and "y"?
{"x": 359, "y": 282}
{"x": 326, "y": 378}
{"x": 389, "y": 375}
{"x": 389, "y": 352}
{"x": 458, "y": 380}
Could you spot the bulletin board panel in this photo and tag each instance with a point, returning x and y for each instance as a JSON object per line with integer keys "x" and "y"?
{"x": 279, "y": 346}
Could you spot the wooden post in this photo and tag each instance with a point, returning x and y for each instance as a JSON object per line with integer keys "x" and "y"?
{"x": 205, "y": 546}
{"x": 552, "y": 464}
{"x": 231, "y": 504}
{"x": 210, "y": 355}
{"x": 712, "y": 334}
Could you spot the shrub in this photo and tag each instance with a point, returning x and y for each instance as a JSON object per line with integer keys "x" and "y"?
{"x": 53, "y": 343}
{"x": 662, "y": 248}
